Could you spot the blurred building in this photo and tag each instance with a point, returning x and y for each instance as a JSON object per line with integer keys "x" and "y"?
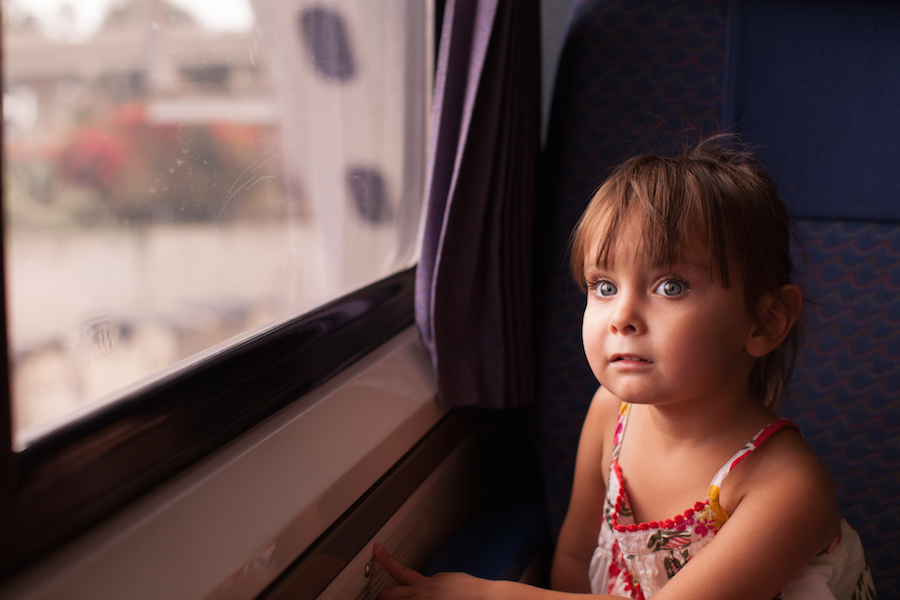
{"x": 146, "y": 51}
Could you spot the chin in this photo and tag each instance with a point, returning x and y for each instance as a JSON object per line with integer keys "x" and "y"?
{"x": 631, "y": 396}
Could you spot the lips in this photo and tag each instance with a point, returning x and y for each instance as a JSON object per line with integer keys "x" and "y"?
{"x": 629, "y": 358}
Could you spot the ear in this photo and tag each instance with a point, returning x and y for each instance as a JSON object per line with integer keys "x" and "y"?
{"x": 778, "y": 312}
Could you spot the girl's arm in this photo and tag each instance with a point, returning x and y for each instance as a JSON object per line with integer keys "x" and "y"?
{"x": 578, "y": 536}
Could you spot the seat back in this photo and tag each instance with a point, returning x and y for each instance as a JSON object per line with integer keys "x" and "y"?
{"x": 813, "y": 88}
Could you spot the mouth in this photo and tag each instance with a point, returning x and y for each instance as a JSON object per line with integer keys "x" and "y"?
{"x": 634, "y": 358}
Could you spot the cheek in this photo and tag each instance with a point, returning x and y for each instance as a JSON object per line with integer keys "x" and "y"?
{"x": 718, "y": 341}
{"x": 592, "y": 335}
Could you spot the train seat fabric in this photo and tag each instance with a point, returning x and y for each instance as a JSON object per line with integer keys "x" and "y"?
{"x": 812, "y": 87}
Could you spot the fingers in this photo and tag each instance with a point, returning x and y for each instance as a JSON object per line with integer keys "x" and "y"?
{"x": 399, "y": 573}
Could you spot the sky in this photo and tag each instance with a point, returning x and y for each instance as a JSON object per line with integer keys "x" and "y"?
{"x": 218, "y": 15}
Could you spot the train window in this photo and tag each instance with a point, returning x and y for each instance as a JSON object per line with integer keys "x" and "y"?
{"x": 208, "y": 209}
{"x": 180, "y": 175}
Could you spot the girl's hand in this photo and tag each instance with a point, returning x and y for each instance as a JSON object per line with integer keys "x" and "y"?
{"x": 412, "y": 584}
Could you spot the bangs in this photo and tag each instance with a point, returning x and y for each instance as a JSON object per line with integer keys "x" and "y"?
{"x": 662, "y": 204}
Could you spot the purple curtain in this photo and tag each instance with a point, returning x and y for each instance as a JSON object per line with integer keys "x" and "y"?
{"x": 473, "y": 284}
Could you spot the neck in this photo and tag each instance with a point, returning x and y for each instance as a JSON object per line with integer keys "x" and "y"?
{"x": 703, "y": 423}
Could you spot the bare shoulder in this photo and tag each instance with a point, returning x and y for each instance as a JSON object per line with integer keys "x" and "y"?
{"x": 594, "y": 450}
{"x": 584, "y": 518}
{"x": 786, "y": 457}
{"x": 600, "y": 425}
{"x": 595, "y": 443}
{"x": 786, "y": 470}
{"x": 603, "y": 412}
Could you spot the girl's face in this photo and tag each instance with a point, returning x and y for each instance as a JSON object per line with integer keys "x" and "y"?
{"x": 665, "y": 335}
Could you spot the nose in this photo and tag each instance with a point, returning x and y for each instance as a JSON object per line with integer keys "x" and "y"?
{"x": 625, "y": 318}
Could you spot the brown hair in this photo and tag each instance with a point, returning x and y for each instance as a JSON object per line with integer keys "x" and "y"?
{"x": 710, "y": 190}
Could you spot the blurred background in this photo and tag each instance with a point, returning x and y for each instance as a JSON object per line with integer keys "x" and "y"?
{"x": 181, "y": 174}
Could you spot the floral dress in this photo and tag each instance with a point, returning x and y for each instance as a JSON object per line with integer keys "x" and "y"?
{"x": 636, "y": 560}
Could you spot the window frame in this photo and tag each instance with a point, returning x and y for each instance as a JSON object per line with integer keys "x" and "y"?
{"x": 81, "y": 473}
{"x": 87, "y": 469}
{"x": 228, "y": 526}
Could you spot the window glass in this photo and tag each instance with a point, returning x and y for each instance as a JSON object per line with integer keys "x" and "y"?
{"x": 180, "y": 174}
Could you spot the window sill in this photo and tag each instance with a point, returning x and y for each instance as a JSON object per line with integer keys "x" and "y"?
{"x": 226, "y": 527}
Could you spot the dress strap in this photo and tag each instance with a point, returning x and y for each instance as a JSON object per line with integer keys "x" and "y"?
{"x": 621, "y": 422}
{"x": 761, "y": 436}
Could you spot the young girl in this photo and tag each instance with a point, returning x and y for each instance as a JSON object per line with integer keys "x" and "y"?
{"x": 686, "y": 484}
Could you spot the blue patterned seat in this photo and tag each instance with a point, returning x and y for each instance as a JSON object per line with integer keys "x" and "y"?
{"x": 813, "y": 87}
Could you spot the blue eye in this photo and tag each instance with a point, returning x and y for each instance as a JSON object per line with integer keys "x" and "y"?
{"x": 606, "y": 289}
{"x": 671, "y": 288}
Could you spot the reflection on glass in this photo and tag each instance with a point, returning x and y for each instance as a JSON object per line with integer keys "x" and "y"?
{"x": 179, "y": 175}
